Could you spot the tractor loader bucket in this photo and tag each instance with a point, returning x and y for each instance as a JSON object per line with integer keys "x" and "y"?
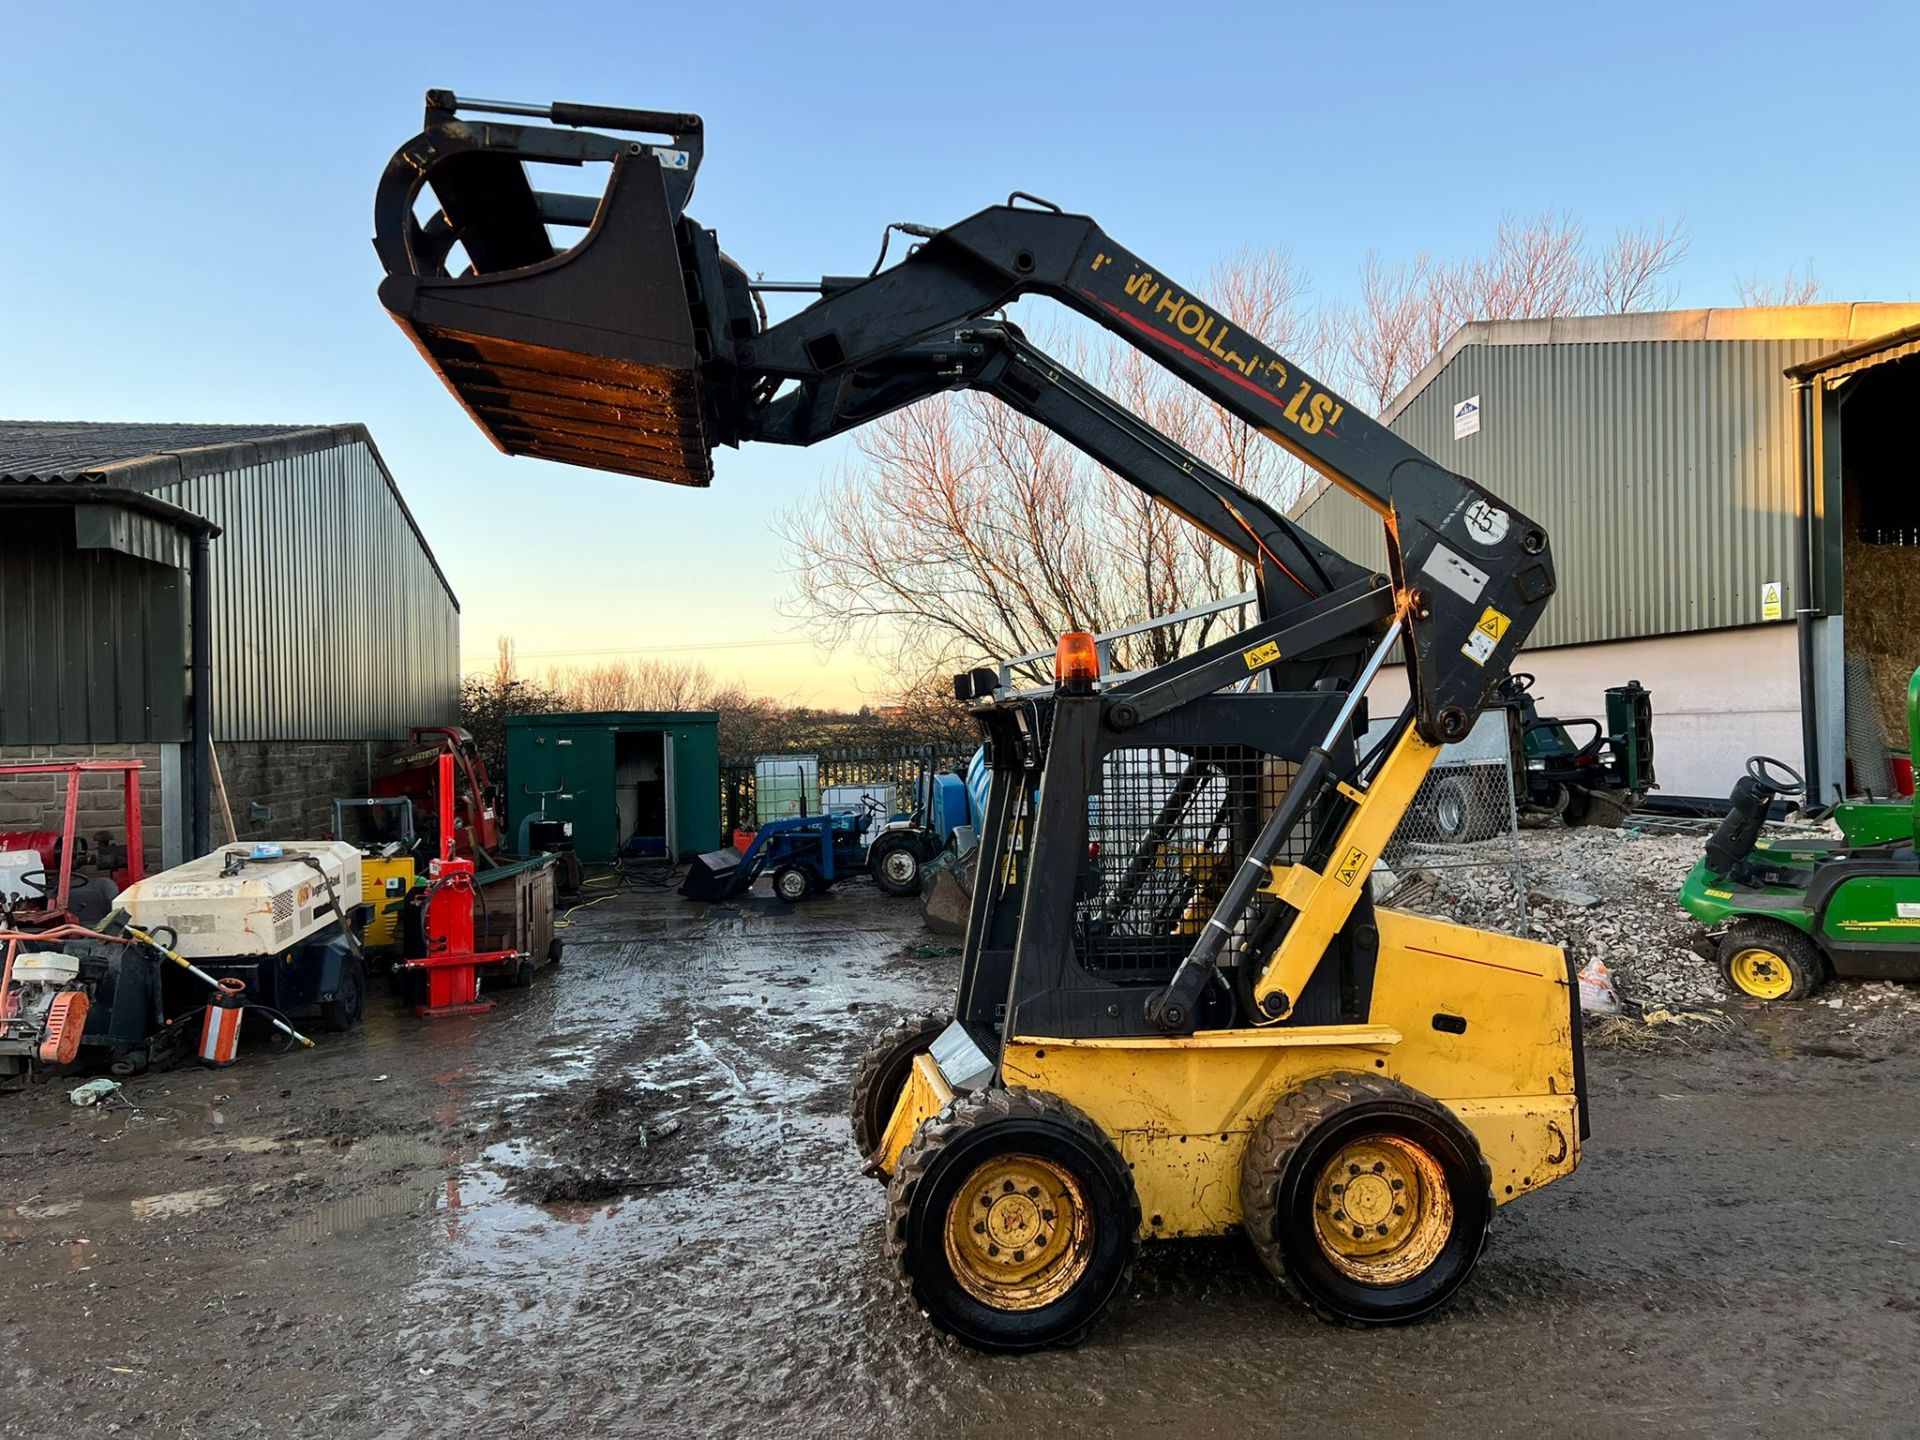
{"x": 589, "y": 354}
{"x": 712, "y": 875}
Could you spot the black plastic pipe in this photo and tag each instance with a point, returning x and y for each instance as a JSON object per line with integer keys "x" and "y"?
{"x": 200, "y": 667}
{"x": 1803, "y": 607}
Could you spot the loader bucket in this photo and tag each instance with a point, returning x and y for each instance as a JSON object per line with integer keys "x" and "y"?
{"x": 588, "y": 353}
{"x": 712, "y": 875}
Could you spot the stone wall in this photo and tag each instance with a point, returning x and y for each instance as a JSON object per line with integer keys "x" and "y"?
{"x": 36, "y": 802}
{"x": 296, "y": 782}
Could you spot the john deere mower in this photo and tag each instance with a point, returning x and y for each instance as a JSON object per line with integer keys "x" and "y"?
{"x": 1179, "y": 1012}
{"x": 1781, "y": 916}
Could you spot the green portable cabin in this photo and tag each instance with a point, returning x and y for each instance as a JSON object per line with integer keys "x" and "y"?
{"x": 631, "y": 781}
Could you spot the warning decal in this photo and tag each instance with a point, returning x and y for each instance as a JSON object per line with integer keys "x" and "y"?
{"x": 1261, "y": 655}
{"x": 1352, "y": 867}
{"x": 1487, "y": 634}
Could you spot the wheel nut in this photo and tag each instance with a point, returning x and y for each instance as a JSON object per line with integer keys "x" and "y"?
{"x": 1353, "y": 1169}
{"x": 1006, "y": 1187}
{"x": 993, "y": 1250}
{"x": 1019, "y": 1257}
{"x": 1033, "y": 1192}
{"x": 1399, "y": 1184}
{"x": 979, "y": 1227}
{"x": 1379, "y": 1167}
{"x": 1383, "y": 1229}
{"x": 1399, "y": 1209}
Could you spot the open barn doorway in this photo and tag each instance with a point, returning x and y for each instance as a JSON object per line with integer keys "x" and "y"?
{"x": 1880, "y": 570}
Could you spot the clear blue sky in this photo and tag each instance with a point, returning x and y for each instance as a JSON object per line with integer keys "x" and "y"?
{"x": 187, "y": 192}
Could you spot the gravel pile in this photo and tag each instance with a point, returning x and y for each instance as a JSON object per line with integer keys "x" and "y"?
{"x": 1609, "y": 895}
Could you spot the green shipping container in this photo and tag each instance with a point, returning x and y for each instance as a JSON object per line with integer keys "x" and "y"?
{"x": 631, "y": 781}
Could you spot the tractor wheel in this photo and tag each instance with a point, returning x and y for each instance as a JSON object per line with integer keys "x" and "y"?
{"x": 1603, "y": 809}
{"x": 1460, "y": 810}
{"x": 895, "y": 862}
{"x": 793, "y": 883}
{"x": 556, "y": 949}
{"x": 521, "y": 976}
{"x": 1366, "y": 1199}
{"x": 1770, "y": 960}
{"x": 1013, "y": 1221}
{"x": 883, "y": 1073}
{"x": 349, "y": 1003}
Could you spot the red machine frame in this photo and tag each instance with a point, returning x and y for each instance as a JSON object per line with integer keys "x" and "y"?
{"x": 54, "y": 910}
{"x": 451, "y": 963}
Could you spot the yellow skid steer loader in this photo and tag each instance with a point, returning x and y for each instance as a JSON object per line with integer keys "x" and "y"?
{"x": 1179, "y": 1011}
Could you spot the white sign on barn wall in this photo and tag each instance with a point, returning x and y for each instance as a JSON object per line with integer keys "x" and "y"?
{"x": 1466, "y": 417}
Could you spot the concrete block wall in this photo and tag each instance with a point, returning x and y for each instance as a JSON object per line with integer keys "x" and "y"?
{"x": 36, "y": 802}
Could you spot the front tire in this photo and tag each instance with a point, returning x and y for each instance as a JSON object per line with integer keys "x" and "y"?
{"x": 1013, "y": 1220}
{"x": 1366, "y": 1199}
{"x": 1770, "y": 960}
{"x": 792, "y": 883}
{"x": 1603, "y": 809}
{"x": 883, "y": 1074}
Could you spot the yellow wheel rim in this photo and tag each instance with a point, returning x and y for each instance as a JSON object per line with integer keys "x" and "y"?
{"x": 1018, "y": 1232}
{"x": 1381, "y": 1210}
{"x": 1760, "y": 973}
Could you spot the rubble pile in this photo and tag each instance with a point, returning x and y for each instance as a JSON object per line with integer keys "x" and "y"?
{"x": 1605, "y": 895}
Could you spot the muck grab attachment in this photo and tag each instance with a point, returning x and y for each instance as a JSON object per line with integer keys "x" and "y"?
{"x": 1179, "y": 1012}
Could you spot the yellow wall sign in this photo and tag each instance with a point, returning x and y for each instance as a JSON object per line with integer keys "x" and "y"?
{"x": 1771, "y": 606}
{"x": 1261, "y": 655}
{"x": 1352, "y": 867}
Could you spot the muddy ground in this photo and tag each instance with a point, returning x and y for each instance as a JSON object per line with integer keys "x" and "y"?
{"x": 625, "y": 1203}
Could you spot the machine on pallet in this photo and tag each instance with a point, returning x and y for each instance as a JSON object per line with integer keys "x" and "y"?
{"x": 1178, "y": 1011}
{"x": 1782, "y": 916}
{"x": 381, "y": 829}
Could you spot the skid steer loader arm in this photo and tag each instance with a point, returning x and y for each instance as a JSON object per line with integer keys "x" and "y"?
{"x": 641, "y": 347}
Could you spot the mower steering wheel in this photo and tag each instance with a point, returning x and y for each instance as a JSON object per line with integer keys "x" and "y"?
{"x": 40, "y": 880}
{"x": 1765, "y": 771}
{"x": 1519, "y": 680}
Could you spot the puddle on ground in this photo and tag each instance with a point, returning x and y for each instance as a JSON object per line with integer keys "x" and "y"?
{"x": 177, "y": 1203}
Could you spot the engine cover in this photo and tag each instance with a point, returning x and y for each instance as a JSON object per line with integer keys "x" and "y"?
{"x": 229, "y": 904}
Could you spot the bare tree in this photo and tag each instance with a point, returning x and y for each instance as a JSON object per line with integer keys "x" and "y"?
{"x": 964, "y": 531}
{"x": 1635, "y": 272}
{"x": 1535, "y": 268}
{"x": 1796, "y": 287}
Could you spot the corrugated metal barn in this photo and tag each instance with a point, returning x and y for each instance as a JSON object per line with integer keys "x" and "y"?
{"x": 328, "y": 630}
{"x": 1669, "y": 460}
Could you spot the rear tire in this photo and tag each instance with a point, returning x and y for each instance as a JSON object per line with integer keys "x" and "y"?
{"x": 1013, "y": 1221}
{"x": 883, "y": 1072}
{"x": 1324, "y": 1190}
{"x": 1770, "y": 960}
{"x": 792, "y": 883}
{"x": 1461, "y": 811}
{"x": 896, "y": 863}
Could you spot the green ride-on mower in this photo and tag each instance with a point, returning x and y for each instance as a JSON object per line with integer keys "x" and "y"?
{"x": 1782, "y": 916}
